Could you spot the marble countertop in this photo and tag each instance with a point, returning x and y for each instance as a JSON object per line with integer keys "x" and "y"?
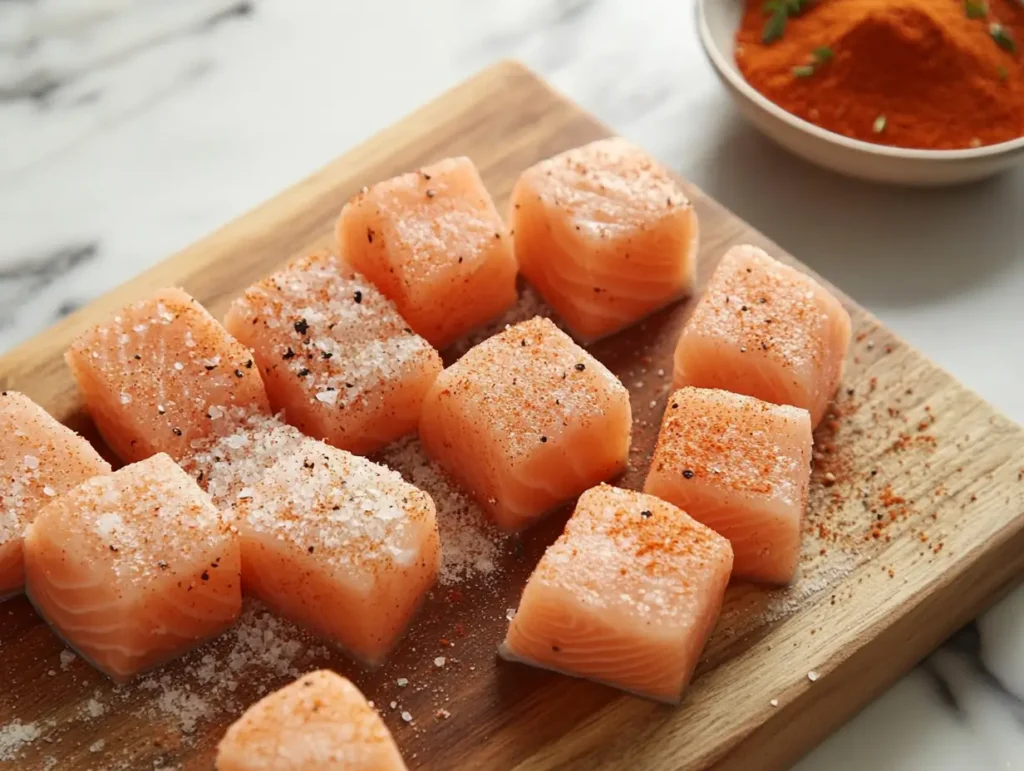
{"x": 130, "y": 128}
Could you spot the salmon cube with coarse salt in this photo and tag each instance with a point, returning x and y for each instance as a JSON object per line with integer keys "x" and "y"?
{"x": 527, "y": 420}
{"x": 320, "y": 722}
{"x": 335, "y": 355}
{"x": 605, "y": 234}
{"x": 39, "y": 459}
{"x": 433, "y": 243}
{"x": 161, "y": 374}
{"x": 340, "y": 545}
{"x": 742, "y": 467}
{"x": 767, "y": 330}
{"x": 133, "y": 568}
{"x": 627, "y": 596}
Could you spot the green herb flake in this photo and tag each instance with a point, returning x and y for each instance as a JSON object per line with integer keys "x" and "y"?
{"x": 823, "y": 54}
{"x": 803, "y": 71}
{"x": 975, "y": 9}
{"x": 879, "y": 125}
{"x": 1002, "y": 36}
{"x": 775, "y": 27}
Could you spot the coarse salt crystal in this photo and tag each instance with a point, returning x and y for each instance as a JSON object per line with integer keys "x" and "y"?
{"x": 215, "y": 412}
{"x": 49, "y": 491}
{"x": 439, "y": 661}
{"x": 31, "y": 462}
{"x": 179, "y": 366}
{"x": 327, "y": 397}
{"x": 393, "y": 704}
{"x": 774, "y": 702}
{"x": 126, "y": 398}
{"x": 510, "y": 613}
{"x": 402, "y": 682}
{"x": 245, "y": 492}
{"x": 407, "y": 717}
{"x": 97, "y": 745}
{"x": 812, "y": 675}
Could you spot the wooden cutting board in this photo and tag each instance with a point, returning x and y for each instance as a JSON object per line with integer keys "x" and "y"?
{"x": 915, "y": 523}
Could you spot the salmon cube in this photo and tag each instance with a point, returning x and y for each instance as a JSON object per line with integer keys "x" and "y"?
{"x": 39, "y": 459}
{"x": 335, "y": 355}
{"x": 767, "y": 330}
{"x": 527, "y": 420}
{"x": 163, "y": 373}
{"x": 321, "y": 721}
{"x": 627, "y": 596}
{"x": 605, "y": 234}
{"x": 325, "y": 529}
{"x": 133, "y": 568}
{"x": 433, "y": 242}
{"x": 742, "y": 467}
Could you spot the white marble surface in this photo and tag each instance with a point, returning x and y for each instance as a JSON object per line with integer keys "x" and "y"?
{"x": 130, "y": 128}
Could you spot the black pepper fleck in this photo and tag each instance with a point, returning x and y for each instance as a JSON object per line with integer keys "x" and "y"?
{"x": 303, "y": 372}
{"x": 358, "y": 297}
{"x": 301, "y": 326}
{"x": 580, "y": 367}
{"x": 288, "y": 354}
{"x": 688, "y": 473}
{"x": 645, "y": 514}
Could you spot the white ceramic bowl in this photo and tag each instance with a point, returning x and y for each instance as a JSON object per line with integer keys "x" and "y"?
{"x": 717, "y": 22}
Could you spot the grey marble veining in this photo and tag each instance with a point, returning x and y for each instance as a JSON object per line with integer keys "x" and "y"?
{"x": 129, "y": 129}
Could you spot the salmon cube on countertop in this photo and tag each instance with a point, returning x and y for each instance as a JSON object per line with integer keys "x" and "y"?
{"x": 162, "y": 373}
{"x": 340, "y": 545}
{"x": 434, "y": 243}
{"x": 605, "y": 234}
{"x": 742, "y": 467}
{"x": 320, "y": 722}
{"x": 627, "y": 596}
{"x": 39, "y": 459}
{"x": 527, "y": 420}
{"x": 767, "y": 330}
{"x": 133, "y": 568}
{"x": 335, "y": 355}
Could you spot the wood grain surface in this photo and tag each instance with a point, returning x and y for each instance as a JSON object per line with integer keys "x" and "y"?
{"x": 918, "y": 528}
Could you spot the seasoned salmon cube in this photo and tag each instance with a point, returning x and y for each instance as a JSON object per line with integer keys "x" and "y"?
{"x": 527, "y": 420}
{"x": 162, "y": 373}
{"x": 627, "y": 596}
{"x": 334, "y": 353}
{"x": 340, "y": 545}
{"x": 433, "y": 242}
{"x": 765, "y": 329}
{"x": 39, "y": 459}
{"x": 319, "y": 722}
{"x": 742, "y": 467}
{"x": 133, "y": 568}
{"x": 605, "y": 234}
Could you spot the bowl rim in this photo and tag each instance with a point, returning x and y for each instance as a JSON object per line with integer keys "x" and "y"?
{"x": 728, "y": 70}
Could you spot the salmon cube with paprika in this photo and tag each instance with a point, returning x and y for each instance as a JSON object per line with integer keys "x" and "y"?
{"x": 527, "y": 420}
{"x": 335, "y": 355}
{"x": 767, "y": 330}
{"x": 627, "y": 596}
{"x": 742, "y": 467}
{"x": 432, "y": 241}
{"x": 162, "y": 373}
{"x": 340, "y": 545}
{"x": 605, "y": 234}
{"x": 317, "y": 723}
{"x": 39, "y": 459}
{"x": 133, "y": 568}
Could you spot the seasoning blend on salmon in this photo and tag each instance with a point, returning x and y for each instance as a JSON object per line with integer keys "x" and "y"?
{"x": 162, "y": 373}
{"x": 526, "y": 420}
{"x": 605, "y": 234}
{"x": 340, "y": 545}
{"x": 742, "y": 467}
{"x": 320, "y": 722}
{"x": 39, "y": 459}
{"x": 133, "y": 568}
{"x": 433, "y": 242}
{"x": 627, "y": 596}
{"x": 334, "y": 353}
{"x": 765, "y": 329}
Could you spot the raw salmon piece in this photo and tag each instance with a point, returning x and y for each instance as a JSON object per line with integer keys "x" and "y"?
{"x": 765, "y": 329}
{"x": 39, "y": 459}
{"x": 742, "y": 467}
{"x": 163, "y": 373}
{"x": 605, "y": 234}
{"x": 226, "y": 465}
{"x": 340, "y": 545}
{"x": 334, "y": 353}
{"x": 133, "y": 568}
{"x": 433, "y": 242}
{"x": 627, "y": 596}
{"x": 321, "y": 722}
{"x": 526, "y": 420}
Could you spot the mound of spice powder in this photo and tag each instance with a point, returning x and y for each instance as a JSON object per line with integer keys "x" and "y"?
{"x": 927, "y": 74}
